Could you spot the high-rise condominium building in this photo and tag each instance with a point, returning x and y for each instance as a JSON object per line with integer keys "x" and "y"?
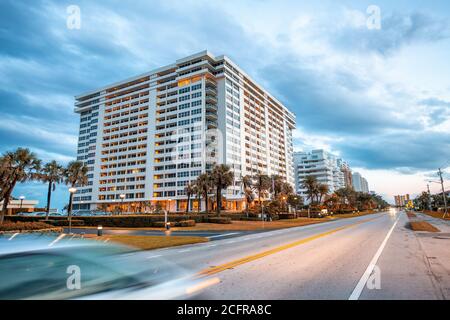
{"x": 326, "y": 167}
{"x": 401, "y": 200}
{"x": 360, "y": 183}
{"x": 147, "y": 137}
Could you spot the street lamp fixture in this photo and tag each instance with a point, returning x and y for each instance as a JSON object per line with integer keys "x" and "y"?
{"x": 21, "y": 201}
{"x": 72, "y": 191}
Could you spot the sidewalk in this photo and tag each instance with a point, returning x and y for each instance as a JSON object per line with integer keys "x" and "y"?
{"x": 436, "y": 246}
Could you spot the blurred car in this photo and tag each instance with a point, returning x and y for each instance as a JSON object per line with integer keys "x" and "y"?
{"x": 32, "y": 214}
{"x": 41, "y": 267}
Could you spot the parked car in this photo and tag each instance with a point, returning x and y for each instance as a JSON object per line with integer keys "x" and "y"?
{"x": 39, "y": 267}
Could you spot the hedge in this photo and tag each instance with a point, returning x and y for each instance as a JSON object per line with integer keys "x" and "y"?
{"x": 286, "y": 216}
{"x": 218, "y": 220}
{"x": 24, "y": 226}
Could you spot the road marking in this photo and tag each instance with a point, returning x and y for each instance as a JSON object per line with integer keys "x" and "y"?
{"x": 362, "y": 282}
{"x": 187, "y": 250}
{"x": 157, "y": 256}
{"x": 232, "y": 264}
{"x": 223, "y": 235}
{"x": 62, "y": 235}
{"x": 13, "y": 236}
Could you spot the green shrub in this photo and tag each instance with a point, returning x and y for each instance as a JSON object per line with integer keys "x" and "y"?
{"x": 283, "y": 216}
{"x": 186, "y": 223}
{"x": 218, "y": 220}
{"x": 65, "y": 223}
{"x": 159, "y": 224}
{"x": 23, "y": 226}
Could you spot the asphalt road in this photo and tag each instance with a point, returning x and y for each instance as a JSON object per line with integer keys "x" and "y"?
{"x": 368, "y": 257}
{"x": 211, "y": 235}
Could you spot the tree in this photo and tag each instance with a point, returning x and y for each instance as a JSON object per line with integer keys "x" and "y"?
{"x": 277, "y": 185}
{"x": 363, "y": 200}
{"x": 222, "y": 178}
{"x": 204, "y": 184}
{"x": 52, "y": 173}
{"x": 249, "y": 198}
{"x": 198, "y": 193}
{"x": 295, "y": 200}
{"x": 20, "y": 166}
{"x": 347, "y": 196}
{"x": 189, "y": 189}
{"x": 311, "y": 184}
{"x": 75, "y": 176}
{"x": 323, "y": 190}
{"x": 262, "y": 185}
{"x": 422, "y": 201}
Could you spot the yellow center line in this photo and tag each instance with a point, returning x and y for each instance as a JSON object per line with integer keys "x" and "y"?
{"x": 232, "y": 264}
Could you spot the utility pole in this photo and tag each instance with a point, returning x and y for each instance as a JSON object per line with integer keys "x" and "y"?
{"x": 443, "y": 192}
{"x": 429, "y": 197}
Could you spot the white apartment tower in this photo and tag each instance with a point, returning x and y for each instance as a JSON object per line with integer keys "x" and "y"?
{"x": 326, "y": 167}
{"x": 360, "y": 183}
{"x": 147, "y": 137}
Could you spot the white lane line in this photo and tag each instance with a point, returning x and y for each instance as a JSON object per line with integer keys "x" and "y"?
{"x": 156, "y": 256}
{"x": 187, "y": 250}
{"x": 62, "y": 235}
{"x": 362, "y": 282}
{"x": 223, "y": 235}
{"x": 13, "y": 236}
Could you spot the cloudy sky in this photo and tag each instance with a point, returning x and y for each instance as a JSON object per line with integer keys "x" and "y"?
{"x": 379, "y": 97}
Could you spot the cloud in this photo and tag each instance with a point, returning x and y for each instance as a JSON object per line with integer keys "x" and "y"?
{"x": 396, "y": 31}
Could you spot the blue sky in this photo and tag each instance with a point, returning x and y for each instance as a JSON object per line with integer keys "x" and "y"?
{"x": 379, "y": 98}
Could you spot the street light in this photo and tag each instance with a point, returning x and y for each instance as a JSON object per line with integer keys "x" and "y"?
{"x": 122, "y": 197}
{"x": 72, "y": 191}
{"x": 166, "y": 223}
{"x": 21, "y": 201}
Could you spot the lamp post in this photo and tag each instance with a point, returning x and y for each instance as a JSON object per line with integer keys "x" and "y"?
{"x": 166, "y": 222}
{"x": 72, "y": 191}
{"x": 295, "y": 207}
{"x": 21, "y": 201}
{"x": 122, "y": 197}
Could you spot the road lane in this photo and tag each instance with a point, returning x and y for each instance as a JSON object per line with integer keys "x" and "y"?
{"x": 326, "y": 268}
{"x": 204, "y": 256}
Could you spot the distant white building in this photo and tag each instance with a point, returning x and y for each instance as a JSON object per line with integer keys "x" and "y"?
{"x": 326, "y": 167}
{"x": 360, "y": 183}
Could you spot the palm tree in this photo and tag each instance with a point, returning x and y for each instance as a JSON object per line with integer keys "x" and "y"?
{"x": 20, "y": 166}
{"x": 222, "y": 178}
{"x": 277, "y": 185}
{"x": 262, "y": 185}
{"x": 189, "y": 189}
{"x": 204, "y": 184}
{"x": 323, "y": 190}
{"x": 249, "y": 197}
{"x": 198, "y": 193}
{"x": 52, "y": 173}
{"x": 75, "y": 176}
{"x": 310, "y": 183}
